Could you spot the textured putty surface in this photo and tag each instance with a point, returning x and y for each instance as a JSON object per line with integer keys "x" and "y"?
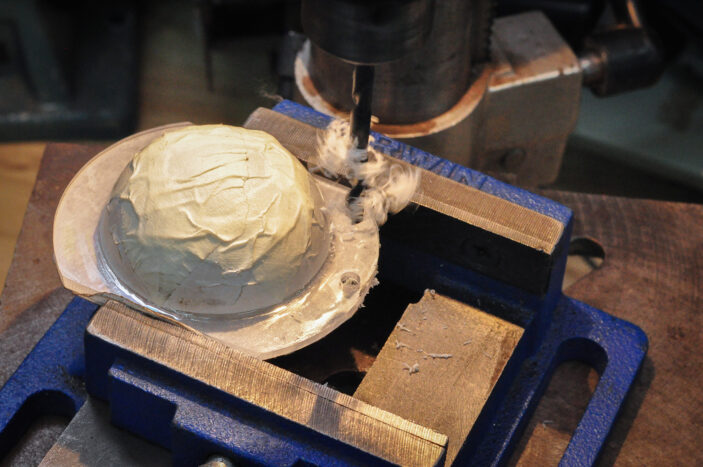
{"x": 214, "y": 217}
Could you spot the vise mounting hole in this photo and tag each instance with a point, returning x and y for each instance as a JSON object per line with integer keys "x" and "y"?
{"x": 585, "y": 256}
{"x": 562, "y": 405}
{"x": 35, "y": 427}
{"x": 557, "y": 415}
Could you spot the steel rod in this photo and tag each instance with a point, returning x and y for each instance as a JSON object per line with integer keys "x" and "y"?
{"x": 362, "y": 94}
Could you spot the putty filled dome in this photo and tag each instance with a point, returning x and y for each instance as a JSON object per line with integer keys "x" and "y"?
{"x": 214, "y": 219}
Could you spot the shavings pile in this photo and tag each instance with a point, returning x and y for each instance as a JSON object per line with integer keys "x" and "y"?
{"x": 388, "y": 186}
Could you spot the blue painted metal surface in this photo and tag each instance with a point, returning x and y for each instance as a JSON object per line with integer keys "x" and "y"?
{"x": 195, "y": 421}
{"x": 50, "y": 379}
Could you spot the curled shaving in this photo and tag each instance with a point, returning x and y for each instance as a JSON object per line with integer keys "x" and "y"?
{"x": 389, "y": 186}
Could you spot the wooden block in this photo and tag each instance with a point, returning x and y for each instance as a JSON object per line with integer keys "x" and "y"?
{"x": 459, "y": 353}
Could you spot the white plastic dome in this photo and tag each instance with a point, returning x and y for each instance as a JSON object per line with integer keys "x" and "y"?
{"x": 212, "y": 220}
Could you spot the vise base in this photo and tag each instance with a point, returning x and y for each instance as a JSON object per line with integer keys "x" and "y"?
{"x": 479, "y": 245}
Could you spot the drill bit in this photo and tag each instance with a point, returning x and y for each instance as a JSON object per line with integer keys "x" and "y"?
{"x": 362, "y": 95}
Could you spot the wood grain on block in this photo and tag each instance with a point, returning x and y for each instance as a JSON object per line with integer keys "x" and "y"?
{"x": 439, "y": 366}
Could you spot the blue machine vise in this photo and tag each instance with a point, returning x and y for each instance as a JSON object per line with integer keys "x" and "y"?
{"x": 195, "y": 420}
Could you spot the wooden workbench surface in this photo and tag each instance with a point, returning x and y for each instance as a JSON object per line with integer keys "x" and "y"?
{"x": 652, "y": 276}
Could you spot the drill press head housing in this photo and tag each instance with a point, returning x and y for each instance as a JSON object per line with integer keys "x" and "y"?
{"x": 367, "y": 32}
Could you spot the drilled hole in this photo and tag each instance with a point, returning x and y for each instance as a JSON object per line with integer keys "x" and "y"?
{"x": 350, "y": 283}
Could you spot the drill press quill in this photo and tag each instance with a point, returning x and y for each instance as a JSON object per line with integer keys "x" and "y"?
{"x": 364, "y": 34}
